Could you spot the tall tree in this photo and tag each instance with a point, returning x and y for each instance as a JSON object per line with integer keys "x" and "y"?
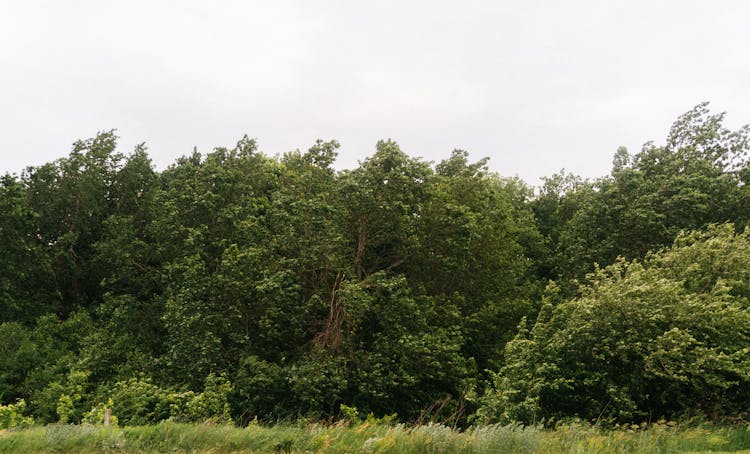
{"x": 27, "y": 287}
{"x": 691, "y": 181}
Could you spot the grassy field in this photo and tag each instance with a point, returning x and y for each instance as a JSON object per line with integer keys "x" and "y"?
{"x": 372, "y": 438}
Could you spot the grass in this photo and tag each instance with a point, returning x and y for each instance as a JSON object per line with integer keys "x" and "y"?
{"x": 372, "y": 438}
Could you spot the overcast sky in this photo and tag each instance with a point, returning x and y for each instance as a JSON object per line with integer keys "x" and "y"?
{"x": 536, "y": 86}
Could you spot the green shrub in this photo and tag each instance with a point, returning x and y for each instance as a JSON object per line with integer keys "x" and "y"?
{"x": 666, "y": 337}
{"x": 96, "y": 415}
{"x": 65, "y": 399}
{"x": 138, "y": 401}
{"x": 210, "y": 405}
{"x": 11, "y": 415}
{"x": 260, "y": 390}
{"x": 317, "y": 384}
{"x": 350, "y": 414}
{"x": 65, "y": 409}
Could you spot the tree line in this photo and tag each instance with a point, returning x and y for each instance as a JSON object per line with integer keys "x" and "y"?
{"x": 239, "y": 286}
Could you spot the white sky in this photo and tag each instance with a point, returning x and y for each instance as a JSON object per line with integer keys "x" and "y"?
{"x": 536, "y": 86}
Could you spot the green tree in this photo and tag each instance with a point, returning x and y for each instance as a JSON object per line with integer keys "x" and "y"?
{"x": 27, "y": 287}
{"x": 691, "y": 181}
{"x": 221, "y": 280}
{"x": 477, "y": 237}
{"x": 404, "y": 350}
{"x": 382, "y": 199}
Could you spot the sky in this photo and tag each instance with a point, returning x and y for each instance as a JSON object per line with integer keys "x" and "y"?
{"x": 536, "y": 86}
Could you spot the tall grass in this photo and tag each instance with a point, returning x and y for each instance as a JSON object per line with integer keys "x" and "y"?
{"x": 370, "y": 437}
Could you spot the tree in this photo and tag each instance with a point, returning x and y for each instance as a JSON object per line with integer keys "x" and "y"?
{"x": 691, "y": 181}
{"x": 27, "y": 287}
{"x": 476, "y": 239}
{"x": 382, "y": 199}
{"x": 211, "y": 216}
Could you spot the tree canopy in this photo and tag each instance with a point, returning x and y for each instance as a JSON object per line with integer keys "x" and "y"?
{"x": 234, "y": 285}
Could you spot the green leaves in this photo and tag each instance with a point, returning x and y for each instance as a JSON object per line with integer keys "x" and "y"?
{"x": 691, "y": 181}
{"x": 26, "y": 276}
{"x": 643, "y": 339}
{"x": 11, "y": 416}
{"x": 397, "y": 286}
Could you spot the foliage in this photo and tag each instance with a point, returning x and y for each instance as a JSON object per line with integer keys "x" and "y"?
{"x": 692, "y": 180}
{"x": 138, "y": 401}
{"x": 238, "y": 286}
{"x": 26, "y": 275}
{"x": 11, "y": 416}
{"x": 97, "y": 414}
{"x": 71, "y": 400}
{"x": 660, "y": 338}
{"x": 211, "y": 405}
{"x": 260, "y": 388}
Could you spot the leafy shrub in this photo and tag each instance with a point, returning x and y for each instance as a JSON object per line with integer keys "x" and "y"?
{"x": 660, "y": 338}
{"x": 17, "y": 357}
{"x": 96, "y": 415}
{"x": 65, "y": 409}
{"x": 260, "y": 389}
{"x": 11, "y": 415}
{"x": 138, "y": 401}
{"x": 317, "y": 384}
{"x": 72, "y": 395}
{"x": 210, "y": 405}
{"x": 350, "y": 414}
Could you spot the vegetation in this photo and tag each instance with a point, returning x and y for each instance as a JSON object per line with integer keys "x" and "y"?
{"x": 374, "y": 437}
{"x": 238, "y": 287}
{"x": 666, "y": 336}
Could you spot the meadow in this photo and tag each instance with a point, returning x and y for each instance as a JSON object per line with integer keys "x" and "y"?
{"x": 373, "y": 437}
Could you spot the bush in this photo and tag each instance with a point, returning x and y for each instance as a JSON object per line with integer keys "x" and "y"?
{"x": 317, "y": 384}
{"x": 210, "y": 405}
{"x": 96, "y": 415}
{"x": 11, "y": 415}
{"x": 139, "y": 402}
{"x": 664, "y": 337}
{"x": 260, "y": 389}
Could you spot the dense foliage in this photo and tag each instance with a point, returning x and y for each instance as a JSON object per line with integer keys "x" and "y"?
{"x": 666, "y": 336}
{"x": 238, "y": 286}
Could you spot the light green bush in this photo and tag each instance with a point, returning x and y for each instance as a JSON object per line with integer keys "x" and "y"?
{"x": 11, "y": 415}
{"x": 95, "y": 416}
{"x": 665, "y": 337}
{"x": 138, "y": 401}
